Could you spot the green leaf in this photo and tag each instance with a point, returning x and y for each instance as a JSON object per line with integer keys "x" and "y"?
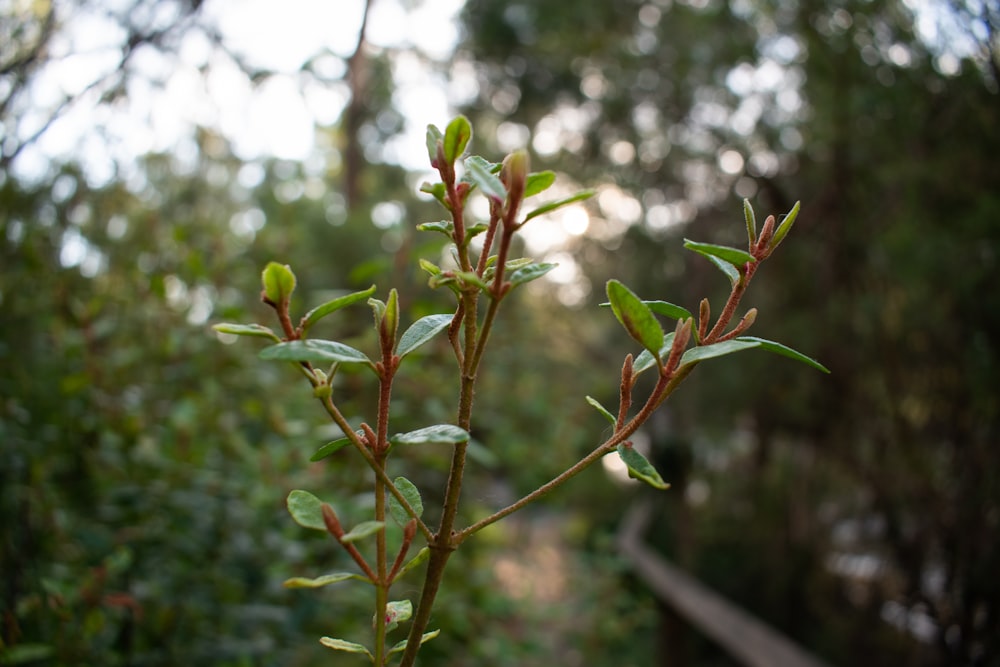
{"x": 401, "y": 646}
{"x": 441, "y": 434}
{"x": 398, "y": 611}
{"x": 751, "y": 221}
{"x": 305, "y": 508}
{"x": 456, "y": 138}
{"x": 331, "y": 447}
{"x": 319, "y": 312}
{"x": 362, "y": 530}
{"x": 645, "y": 360}
{"x": 475, "y": 230}
{"x": 778, "y": 348}
{"x": 247, "y": 330}
{"x": 668, "y": 309}
{"x": 446, "y": 227}
{"x": 325, "y": 580}
{"x": 639, "y": 468}
{"x": 538, "y": 182}
{"x": 436, "y": 190}
{"x": 416, "y": 561}
{"x": 412, "y": 495}
{"x": 343, "y": 645}
{"x": 727, "y": 268}
{"x": 434, "y": 137}
{"x": 636, "y": 317}
{"x": 478, "y": 172}
{"x": 734, "y": 256}
{"x": 422, "y": 331}
{"x": 551, "y": 206}
{"x": 279, "y": 282}
{"x": 430, "y": 267}
{"x": 703, "y": 352}
{"x": 600, "y": 408}
{"x": 784, "y": 227}
{"x": 526, "y": 274}
{"x": 316, "y": 351}
{"x": 471, "y": 278}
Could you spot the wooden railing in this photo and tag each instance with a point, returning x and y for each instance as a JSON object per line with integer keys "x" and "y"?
{"x": 745, "y": 637}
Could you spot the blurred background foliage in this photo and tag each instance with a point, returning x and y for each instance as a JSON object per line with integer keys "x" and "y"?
{"x": 144, "y": 462}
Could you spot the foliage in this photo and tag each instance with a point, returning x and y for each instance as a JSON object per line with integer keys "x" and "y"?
{"x": 480, "y": 282}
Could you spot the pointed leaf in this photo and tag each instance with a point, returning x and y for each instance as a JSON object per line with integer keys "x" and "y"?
{"x": 668, "y": 309}
{"x": 401, "y": 646}
{"x": 538, "y": 182}
{"x": 362, "y": 530}
{"x": 784, "y": 227}
{"x": 412, "y": 495}
{"x": 778, "y": 348}
{"x": 325, "y": 580}
{"x": 446, "y": 227}
{"x": 441, "y": 434}
{"x": 247, "y": 330}
{"x": 434, "y": 137}
{"x": 316, "y": 351}
{"x": 639, "y": 468}
{"x": 430, "y": 267}
{"x": 332, "y": 447}
{"x": 480, "y": 175}
{"x": 422, "y": 331}
{"x": 600, "y": 408}
{"x": 475, "y": 230}
{"x": 645, "y": 360}
{"x": 751, "y": 221}
{"x": 399, "y": 611}
{"x": 305, "y": 509}
{"x": 526, "y": 274}
{"x": 343, "y": 645}
{"x": 727, "y": 268}
{"x": 456, "y": 138}
{"x": 333, "y": 305}
{"x": 734, "y": 256}
{"x": 551, "y": 206}
{"x": 416, "y": 561}
{"x": 703, "y": 352}
{"x": 635, "y": 316}
{"x": 471, "y": 278}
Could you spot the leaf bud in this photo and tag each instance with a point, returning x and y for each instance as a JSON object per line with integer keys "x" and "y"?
{"x": 279, "y": 283}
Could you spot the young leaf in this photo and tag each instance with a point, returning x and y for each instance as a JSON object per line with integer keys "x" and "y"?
{"x": 412, "y": 495}
{"x": 456, "y": 138}
{"x": 434, "y": 137}
{"x": 362, "y": 530}
{"x": 636, "y": 317}
{"x": 422, "y": 331}
{"x": 668, "y": 309}
{"x": 325, "y": 580}
{"x": 346, "y": 646}
{"x": 639, "y": 468}
{"x": 331, "y": 447}
{"x": 316, "y": 351}
{"x": 398, "y": 611}
{"x": 600, "y": 408}
{"x": 703, "y": 352}
{"x": 446, "y": 227}
{"x": 478, "y": 172}
{"x": 727, "y": 268}
{"x": 734, "y": 256}
{"x": 471, "y": 278}
{"x": 551, "y": 206}
{"x": 436, "y": 190}
{"x": 401, "y": 646}
{"x": 334, "y": 305}
{"x": 751, "y": 221}
{"x": 526, "y": 274}
{"x": 279, "y": 282}
{"x": 645, "y": 360}
{"x": 778, "y": 348}
{"x": 441, "y": 434}
{"x": 305, "y": 509}
{"x": 784, "y": 227}
{"x": 538, "y": 182}
{"x": 247, "y": 330}
{"x": 416, "y": 561}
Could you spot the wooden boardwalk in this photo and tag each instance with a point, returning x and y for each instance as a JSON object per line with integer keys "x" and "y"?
{"x": 745, "y": 637}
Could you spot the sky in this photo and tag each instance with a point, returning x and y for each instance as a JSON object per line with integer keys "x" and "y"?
{"x": 273, "y": 119}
